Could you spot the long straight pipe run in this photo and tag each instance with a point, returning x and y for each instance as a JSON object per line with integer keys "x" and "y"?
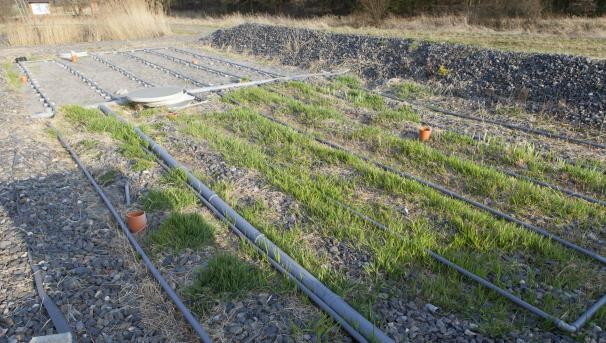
{"x": 510, "y": 173}
{"x": 189, "y": 317}
{"x": 540, "y": 132}
{"x": 355, "y": 334}
{"x": 192, "y": 65}
{"x": 510, "y": 296}
{"x": 232, "y": 63}
{"x": 450, "y": 193}
{"x": 336, "y": 303}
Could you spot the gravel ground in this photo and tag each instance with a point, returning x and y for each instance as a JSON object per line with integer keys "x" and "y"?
{"x": 243, "y": 72}
{"x": 189, "y": 71}
{"x": 70, "y": 87}
{"x": 88, "y": 268}
{"x": 404, "y": 317}
{"x": 539, "y": 82}
{"x": 109, "y": 79}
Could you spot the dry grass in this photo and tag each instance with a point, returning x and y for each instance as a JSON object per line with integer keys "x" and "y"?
{"x": 116, "y": 20}
{"x": 576, "y": 36}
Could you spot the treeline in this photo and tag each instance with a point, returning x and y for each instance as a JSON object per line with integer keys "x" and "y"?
{"x": 305, "y": 8}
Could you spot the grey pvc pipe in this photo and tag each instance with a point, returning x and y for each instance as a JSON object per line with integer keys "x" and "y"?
{"x": 336, "y": 303}
{"x": 166, "y": 70}
{"x": 217, "y": 59}
{"x": 190, "y": 64}
{"x": 193, "y": 321}
{"x": 55, "y": 314}
{"x": 504, "y": 124}
{"x": 452, "y": 194}
{"x": 355, "y": 334}
{"x": 510, "y": 296}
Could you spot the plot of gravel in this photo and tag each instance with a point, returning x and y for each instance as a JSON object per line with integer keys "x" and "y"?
{"x": 189, "y": 71}
{"x": 149, "y": 74}
{"x": 62, "y": 87}
{"x": 87, "y": 267}
{"x": 242, "y": 72}
{"x": 108, "y": 78}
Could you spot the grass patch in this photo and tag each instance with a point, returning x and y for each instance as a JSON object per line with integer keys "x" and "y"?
{"x": 412, "y": 90}
{"x": 173, "y": 194}
{"x": 286, "y": 161}
{"x": 89, "y": 144}
{"x": 131, "y": 146}
{"x": 517, "y": 196}
{"x": 108, "y": 177}
{"x": 12, "y": 76}
{"x": 226, "y": 273}
{"x": 180, "y": 231}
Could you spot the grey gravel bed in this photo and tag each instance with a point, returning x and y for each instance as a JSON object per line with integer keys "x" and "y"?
{"x": 108, "y": 78}
{"x": 155, "y": 76}
{"x": 243, "y": 72}
{"x": 189, "y": 71}
{"x": 87, "y": 267}
{"x": 61, "y": 87}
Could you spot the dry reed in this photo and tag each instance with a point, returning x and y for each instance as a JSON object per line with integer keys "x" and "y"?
{"x": 115, "y": 20}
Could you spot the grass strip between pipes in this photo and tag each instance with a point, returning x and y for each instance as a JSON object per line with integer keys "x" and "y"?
{"x": 182, "y": 230}
{"x": 481, "y": 243}
{"x": 521, "y": 197}
{"x": 586, "y": 176}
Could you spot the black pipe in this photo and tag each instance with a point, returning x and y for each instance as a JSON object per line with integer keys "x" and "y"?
{"x": 540, "y": 132}
{"x": 189, "y": 317}
{"x": 450, "y": 193}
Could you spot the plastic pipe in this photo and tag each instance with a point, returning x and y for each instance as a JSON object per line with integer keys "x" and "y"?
{"x": 336, "y": 303}
{"x": 166, "y": 70}
{"x": 56, "y": 316}
{"x": 504, "y": 124}
{"x": 452, "y": 194}
{"x": 189, "y": 64}
{"x": 262, "y": 82}
{"x": 193, "y": 321}
{"x": 510, "y": 296}
{"x": 235, "y": 64}
{"x": 355, "y": 334}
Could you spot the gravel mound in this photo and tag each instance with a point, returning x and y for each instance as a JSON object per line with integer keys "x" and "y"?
{"x": 569, "y": 87}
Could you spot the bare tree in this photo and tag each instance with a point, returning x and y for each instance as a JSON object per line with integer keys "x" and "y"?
{"x": 376, "y": 10}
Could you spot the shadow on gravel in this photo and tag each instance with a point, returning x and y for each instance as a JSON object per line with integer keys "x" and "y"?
{"x": 81, "y": 256}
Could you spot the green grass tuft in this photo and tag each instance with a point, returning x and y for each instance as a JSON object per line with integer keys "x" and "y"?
{"x": 172, "y": 195}
{"x": 12, "y": 76}
{"x": 180, "y": 231}
{"x": 411, "y": 90}
{"x": 131, "y": 145}
{"x": 227, "y": 273}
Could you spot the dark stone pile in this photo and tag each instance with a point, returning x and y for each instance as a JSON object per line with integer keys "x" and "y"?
{"x": 569, "y": 87}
